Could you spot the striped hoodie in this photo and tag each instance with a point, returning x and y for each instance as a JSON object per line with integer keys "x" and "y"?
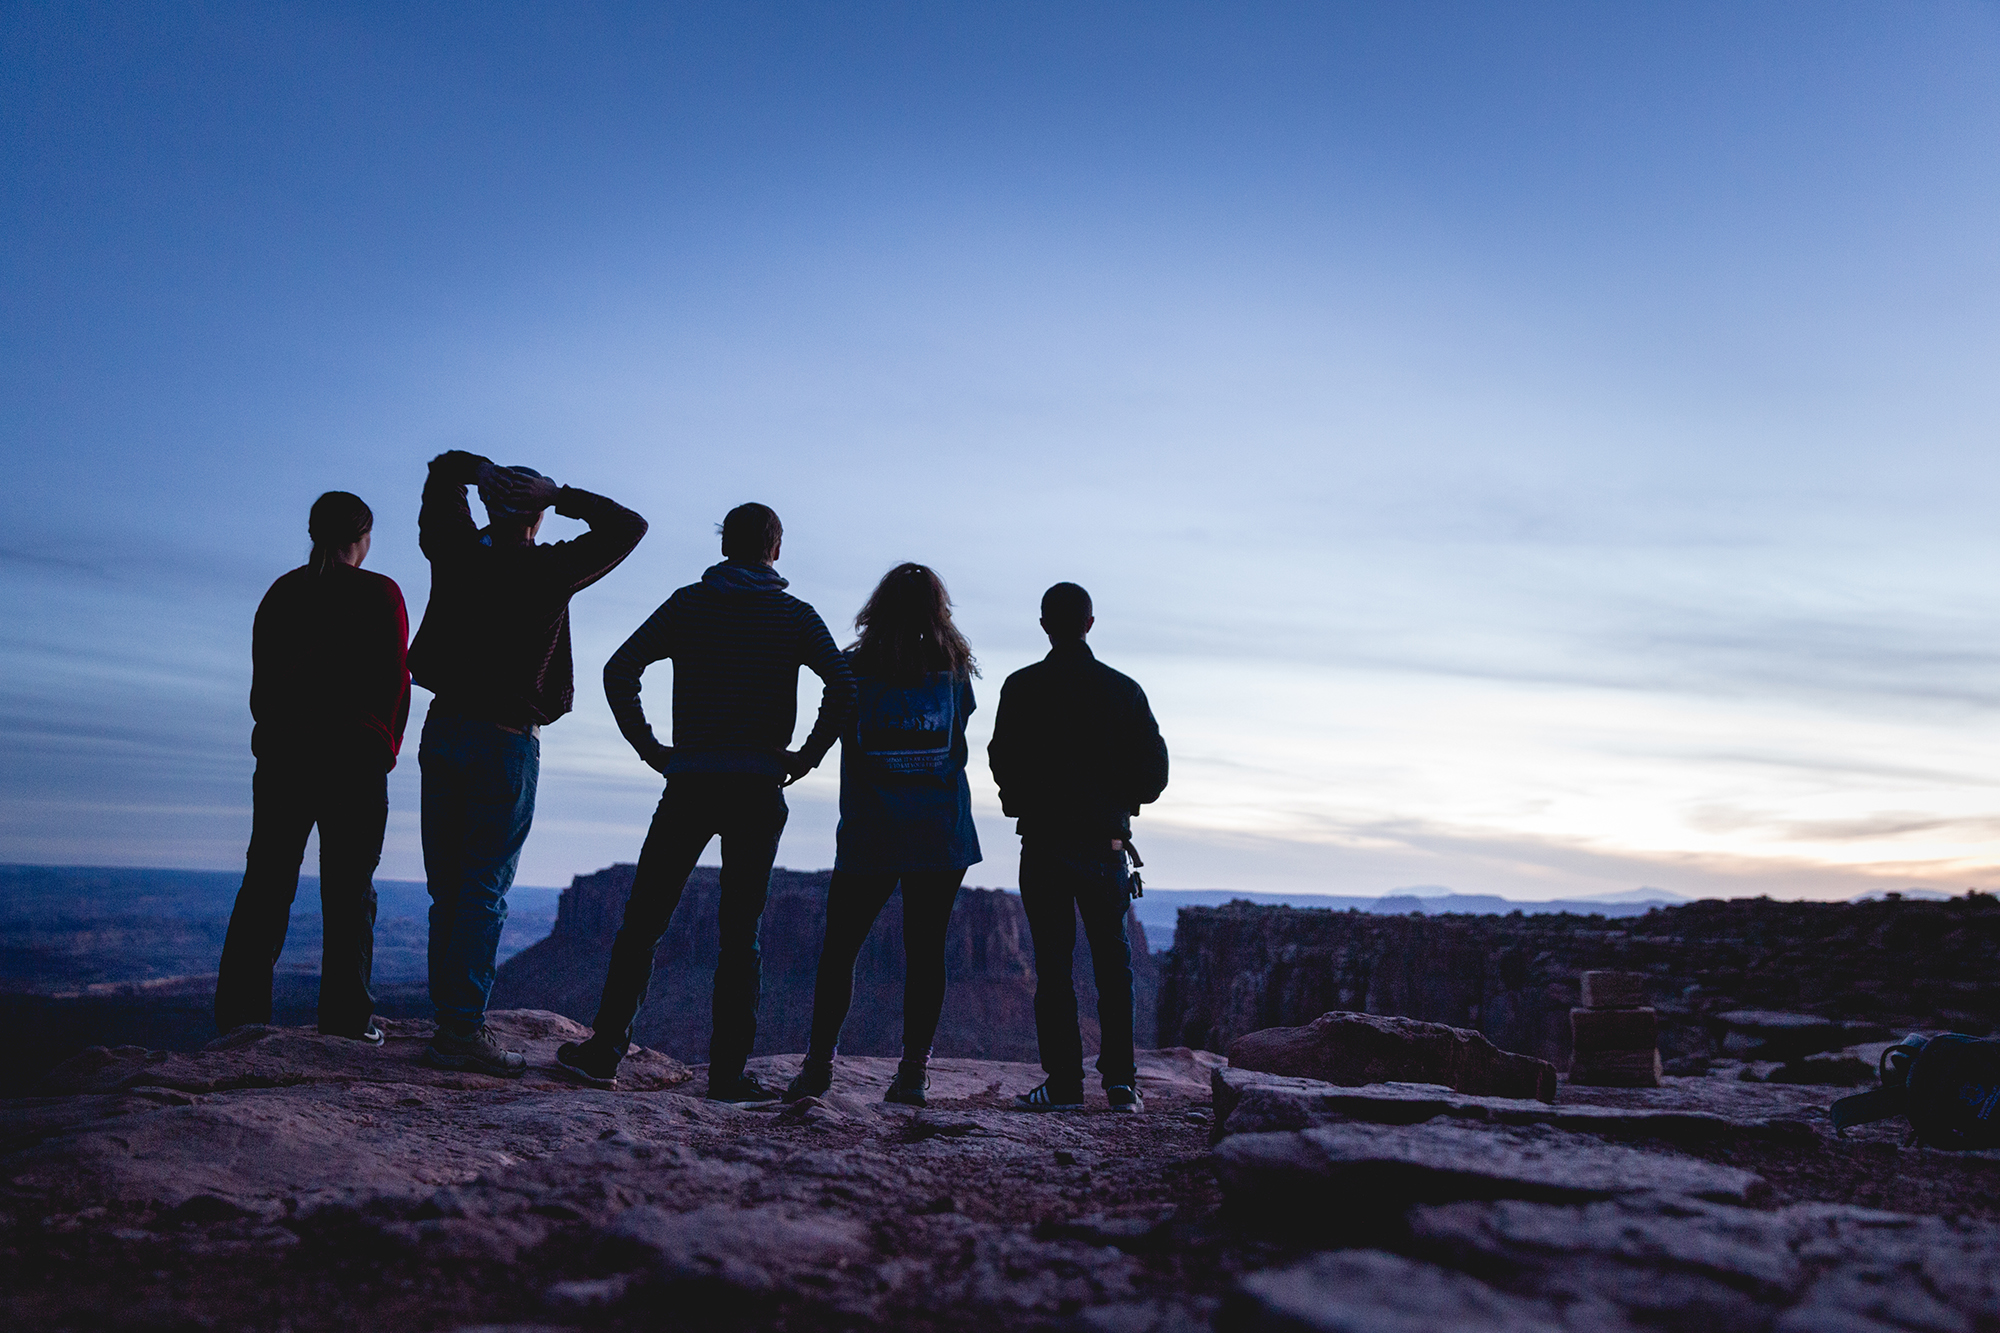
{"x": 737, "y": 641}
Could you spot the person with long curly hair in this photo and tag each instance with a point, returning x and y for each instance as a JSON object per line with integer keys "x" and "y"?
{"x": 905, "y": 818}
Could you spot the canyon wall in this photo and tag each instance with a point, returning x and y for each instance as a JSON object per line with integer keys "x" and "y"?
{"x": 988, "y": 1007}
{"x": 1902, "y": 965}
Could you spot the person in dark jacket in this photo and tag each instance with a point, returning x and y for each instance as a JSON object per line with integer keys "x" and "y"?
{"x": 330, "y": 695}
{"x": 737, "y": 641}
{"x": 494, "y": 649}
{"x": 905, "y": 818}
{"x": 1075, "y": 753}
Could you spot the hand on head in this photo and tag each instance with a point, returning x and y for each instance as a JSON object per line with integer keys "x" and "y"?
{"x": 517, "y": 490}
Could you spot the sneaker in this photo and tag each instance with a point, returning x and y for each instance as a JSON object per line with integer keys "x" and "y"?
{"x": 910, "y": 1085}
{"x": 481, "y": 1053}
{"x": 742, "y": 1088}
{"x": 1125, "y": 1098}
{"x": 371, "y": 1035}
{"x": 813, "y": 1081}
{"x": 1051, "y": 1098}
{"x": 590, "y": 1062}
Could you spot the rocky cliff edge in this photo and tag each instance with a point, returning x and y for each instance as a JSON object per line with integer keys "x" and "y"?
{"x": 281, "y": 1179}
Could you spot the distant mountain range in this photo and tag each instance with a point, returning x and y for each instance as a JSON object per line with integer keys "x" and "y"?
{"x": 1160, "y": 908}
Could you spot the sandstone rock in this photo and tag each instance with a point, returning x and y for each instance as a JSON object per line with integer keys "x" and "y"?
{"x": 1616, "y": 1069}
{"x": 588, "y": 1294}
{"x": 1593, "y": 1030}
{"x": 1375, "y": 1169}
{"x": 272, "y": 1057}
{"x": 1742, "y": 1249}
{"x": 1354, "y": 1049}
{"x": 1617, "y": 1048}
{"x": 1765, "y": 1034}
{"x": 1809, "y": 1268}
{"x": 1248, "y": 1102}
{"x": 1827, "y": 1069}
{"x": 1907, "y": 965}
{"x": 989, "y": 960}
{"x": 150, "y": 1206}
{"x": 1613, "y": 990}
{"x": 757, "y": 1249}
{"x": 1368, "y": 1291}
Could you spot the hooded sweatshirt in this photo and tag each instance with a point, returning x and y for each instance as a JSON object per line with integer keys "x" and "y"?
{"x": 737, "y": 640}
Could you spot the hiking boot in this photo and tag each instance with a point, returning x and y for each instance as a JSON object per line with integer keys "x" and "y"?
{"x": 1124, "y": 1098}
{"x": 481, "y": 1053}
{"x": 1048, "y": 1097}
{"x": 742, "y": 1088}
{"x": 813, "y": 1081}
{"x": 590, "y": 1061}
{"x": 912, "y": 1081}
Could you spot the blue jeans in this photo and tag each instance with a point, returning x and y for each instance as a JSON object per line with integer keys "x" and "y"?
{"x": 1060, "y": 882}
{"x": 479, "y": 799}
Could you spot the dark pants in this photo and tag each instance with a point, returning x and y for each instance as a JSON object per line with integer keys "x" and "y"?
{"x": 748, "y": 813}
{"x": 350, "y": 803}
{"x": 478, "y": 803}
{"x": 1059, "y": 882}
{"x": 853, "y": 901}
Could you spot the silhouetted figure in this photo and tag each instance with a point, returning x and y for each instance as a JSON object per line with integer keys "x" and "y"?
{"x": 1076, "y": 752}
{"x": 737, "y": 641}
{"x": 905, "y": 818}
{"x": 330, "y": 695}
{"x": 494, "y": 649}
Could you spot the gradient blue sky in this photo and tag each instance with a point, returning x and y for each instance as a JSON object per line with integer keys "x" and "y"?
{"x": 1537, "y": 449}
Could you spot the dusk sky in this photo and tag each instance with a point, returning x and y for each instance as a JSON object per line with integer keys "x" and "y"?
{"x": 1536, "y": 449}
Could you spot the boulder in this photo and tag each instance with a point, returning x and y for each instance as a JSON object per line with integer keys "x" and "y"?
{"x": 1614, "y": 990}
{"x": 1769, "y": 1034}
{"x": 1252, "y": 1103}
{"x": 1349, "y": 1291}
{"x": 1593, "y": 1030}
{"x": 1373, "y": 1169}
{"x": 1355, "y": 1049}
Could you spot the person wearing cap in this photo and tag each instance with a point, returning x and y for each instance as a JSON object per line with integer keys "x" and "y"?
{"x": 330, "y": 694}
{"x": 494, "y": 648}
{"x": 737, "y": 640}
{"x": 1075, "y": 753}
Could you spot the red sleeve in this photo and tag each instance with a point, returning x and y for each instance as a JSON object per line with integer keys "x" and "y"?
{"x": 389, "y": 703}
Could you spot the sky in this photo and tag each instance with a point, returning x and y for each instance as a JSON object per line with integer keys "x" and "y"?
{"x": 1537, "y": 449}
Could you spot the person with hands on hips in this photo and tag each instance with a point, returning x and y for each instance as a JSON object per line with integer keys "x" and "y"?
{"x": 494, "y": 649}
{"x": 737, "y": 641}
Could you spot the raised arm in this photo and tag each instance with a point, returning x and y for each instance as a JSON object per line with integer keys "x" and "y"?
{"x": 836, "y": 699}
{"x": 648, "y": 644}
{"x": 444, "y": 520}
{"x": 614, "y": 531}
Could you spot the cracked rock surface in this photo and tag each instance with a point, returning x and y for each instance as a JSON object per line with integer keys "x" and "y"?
{"x": 285, "y": 1180}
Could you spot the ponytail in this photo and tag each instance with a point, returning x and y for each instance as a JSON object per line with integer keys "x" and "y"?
{"x": 338, "y": 520}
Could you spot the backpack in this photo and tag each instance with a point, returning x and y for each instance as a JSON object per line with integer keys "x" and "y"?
{"x": 1947, "y": 1086}
{"x": 905, "y": 732}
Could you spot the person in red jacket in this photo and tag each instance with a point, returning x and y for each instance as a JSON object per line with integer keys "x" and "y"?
{"x": 330, "y": 694}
